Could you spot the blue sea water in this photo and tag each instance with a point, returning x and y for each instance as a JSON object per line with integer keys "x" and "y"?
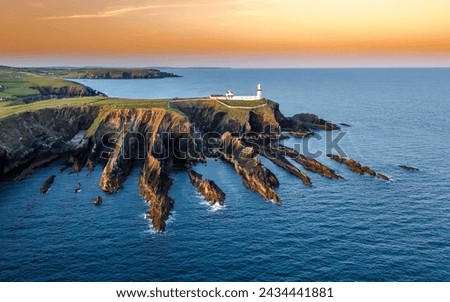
{"x": 357, "y": 229}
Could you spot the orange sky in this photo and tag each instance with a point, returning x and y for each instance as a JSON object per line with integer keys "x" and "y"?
{"x": 292, "y": 29}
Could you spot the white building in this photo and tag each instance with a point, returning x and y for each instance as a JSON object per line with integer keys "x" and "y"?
{"x": 229, "y": 95}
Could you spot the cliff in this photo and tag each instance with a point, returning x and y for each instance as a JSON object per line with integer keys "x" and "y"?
{"x": 210, "y": 116}
{"x": 253, "y": 173}
{"x": 158, "y": 137}
{"x": 33, "y": 136}
{"x": 119, "y": 73}
{"x": 68, "y": 91}
{"x": 61, "y": 92}
{"x": 208, "y": 188}
{"x": 91, "y": 72}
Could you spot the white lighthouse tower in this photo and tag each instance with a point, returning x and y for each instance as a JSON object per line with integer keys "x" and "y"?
{"x": 229, "y": 95}
{"x": 258, "y": 92}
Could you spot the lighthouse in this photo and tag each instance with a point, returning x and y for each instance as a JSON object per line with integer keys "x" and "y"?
{"x": 229, "y": 95}
{"x": 258, "y": 92}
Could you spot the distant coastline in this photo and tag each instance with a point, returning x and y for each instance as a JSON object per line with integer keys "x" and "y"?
{"x": 30, "y": 84}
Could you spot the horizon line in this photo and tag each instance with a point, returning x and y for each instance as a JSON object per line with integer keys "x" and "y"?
{"x": 224, "y": 67}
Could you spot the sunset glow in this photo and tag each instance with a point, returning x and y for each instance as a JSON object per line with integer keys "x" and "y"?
{"x": 414, "y": 30}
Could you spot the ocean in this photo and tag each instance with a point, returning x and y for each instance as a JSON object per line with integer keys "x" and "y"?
{"x": 357, "y": 229}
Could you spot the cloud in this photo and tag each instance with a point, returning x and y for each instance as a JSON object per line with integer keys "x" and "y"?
{"x": 37, "y": 4}
{"x": 115, "y": 12}
{"x": 105, "y": 14}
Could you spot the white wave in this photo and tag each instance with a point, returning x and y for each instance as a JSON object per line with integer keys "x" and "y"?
{"x": 216, "y": 207}
{"x": 171, "y": 218}
{"x": 151, "y": 229}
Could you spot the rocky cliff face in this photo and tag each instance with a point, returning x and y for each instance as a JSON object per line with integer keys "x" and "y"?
{"x": 159, "y": 141}
{"x": 208, "y": 188}
{"x": 86, "y": 135}
{"x": 313, "y": 121}
{"x": 34, "y": 136}
{"x": 209, "y": 116}
{"x": 163, "y": 140}
{"x": 112, "y": 73}
{"x": 253, "y": 173}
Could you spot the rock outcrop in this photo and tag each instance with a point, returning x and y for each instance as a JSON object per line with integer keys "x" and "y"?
{"x": 356, "y": 167}
{"x": 313, "y": 121}
{"x": 208, "y": 188}
{"x": 308, "y": 163}
{"x": 97, "y": 201}
{"x": 382, "y": 176}
{"x": 209, "y": 116}
{"x": 159, "y": 141}
{"x": 123, "y": 73}
{"x": 163, "y": 140}
{"x": 31, "y": 138}
{"x": 280, "y": 160}
{"x": 119, "y": 164}
{"x": 47, "y": 184}
{"x": 35, "y": 165}
{"x": 408, "y": 168}
{"x": 154, "y": 186}
{"x": 253, "y": 173}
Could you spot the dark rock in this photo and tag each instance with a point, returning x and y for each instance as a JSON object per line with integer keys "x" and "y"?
{"x": 208, "y": 188}
{"x": 308, "y": 163}
{"x": 155, "y": 182}
{"x": 119, "y": 164}
{"x": 408, "y": 168}
{"x": 382, "y": 176}
{"x": 90, "y": 165}
{"x": 301, "y": 134}
{"x": 97, "y": 201}
{"x": 280, "y": 160}
{"x": 368, "y": 171}
{"x": 355, "y": 166}
{"x": 253, "y": 173}
{"x": 47, "y": 184}
{"x": 313, "y": 121}
{"x": 40, "y": 136}
{"x": 154, "y": 186}
{"x": 45, "y": 160}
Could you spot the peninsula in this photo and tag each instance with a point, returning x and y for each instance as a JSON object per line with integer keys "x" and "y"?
{"x": 26, "y": 85}
{"x": 159, "y": 136}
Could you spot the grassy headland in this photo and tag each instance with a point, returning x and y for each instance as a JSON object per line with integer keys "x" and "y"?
{"x": 6, "y": 110}
{"x": 98, "y": 73}
{"x": 24, "y": 85}
{"x": 30, "y": 89}
{"x": 18, "y": 86}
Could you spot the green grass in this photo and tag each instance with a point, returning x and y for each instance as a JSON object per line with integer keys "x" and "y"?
{"x": 240, "y": 103}
{"x": 231, "y": 113}
{"x": 15, "y": 84}
{"x": 48, "y": 81}
{"x": 81, "y": 73}
{"x": 6, "y": 111}
{"x": 96, "y": 123}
